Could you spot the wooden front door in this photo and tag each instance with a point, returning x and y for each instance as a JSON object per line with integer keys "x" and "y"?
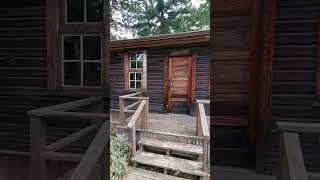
{"x": 179, "y": 83}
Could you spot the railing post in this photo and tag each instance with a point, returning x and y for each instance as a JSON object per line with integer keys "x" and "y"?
{"x": 133, "y": 139}
{"x": 104, "y": 165}
{"x": 38, "y": 129}
{"x": 144, "y": 122}
{"x": 121, "y": 112}
{"x": 205, "y": 154}
{"x": 199, "y": 126}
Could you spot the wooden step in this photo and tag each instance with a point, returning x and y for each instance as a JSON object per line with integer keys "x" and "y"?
{"x": 170, "y": 145}
{"x": 170, "y": 163}
{"x": 141, "y": 174}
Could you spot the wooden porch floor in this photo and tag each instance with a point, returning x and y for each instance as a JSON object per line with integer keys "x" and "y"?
{"x": 170, "y": 123}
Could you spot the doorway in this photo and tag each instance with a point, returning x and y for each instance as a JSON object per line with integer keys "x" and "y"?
{"x": 179, "y": 85}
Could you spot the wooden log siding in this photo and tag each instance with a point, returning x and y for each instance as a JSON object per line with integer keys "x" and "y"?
{"x": 23, "y": 86}
{"x": 155, "y": 76}
{"x": 293, "y": 85}
{"x": 230, "y": 59}
{"x": 317, "y": 90}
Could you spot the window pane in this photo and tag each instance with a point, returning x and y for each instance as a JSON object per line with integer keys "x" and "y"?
{"x": 133, "y": 56}
{"x": 139, "y": 57}
{"x": 133, "y": 64}
{"x": 94, "y": 11}
{"x": 139, "y": 64}
{"x": 91, "y": 74}
{"x": 138, "y": 76}
{"x": 132, "y": 76}
{"x": 138, "y": 85}
{"x": 132, "y": 85}
{"x": 92, "y": 48}
{"x": 71, "y": 48}
{"x": 72, "y": 73}
{"x": 75, "y": 10}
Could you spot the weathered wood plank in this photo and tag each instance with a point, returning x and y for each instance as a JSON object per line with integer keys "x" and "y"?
{"x": 167, "y": 162}
{"x": 137, "y": 114}
{"x": 70, "y": 139}
{"x": 299, "y": 127}
{"x": 173, "y": 146}
{"x": 292, "y": 165}
{"x": 93, "y": 154}
{"x": 317, "y": 90}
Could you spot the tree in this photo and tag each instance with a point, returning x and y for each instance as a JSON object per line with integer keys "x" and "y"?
{"x": 155, "y": 17}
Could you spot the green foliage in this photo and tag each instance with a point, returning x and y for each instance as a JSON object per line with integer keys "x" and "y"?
{"x": 155, "y": 17}
{"x": 120, "y": 151}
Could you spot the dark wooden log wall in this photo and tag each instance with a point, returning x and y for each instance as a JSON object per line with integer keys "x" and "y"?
{"x": 230, "y": 60}
{"x": 293, "y": 96}
{"x": 23, "y": 76}
{"x": 155, "y": 76}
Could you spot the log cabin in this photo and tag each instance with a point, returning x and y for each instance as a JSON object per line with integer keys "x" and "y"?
{"x": 173, "y": 70}
{"x": 264, "y": 66}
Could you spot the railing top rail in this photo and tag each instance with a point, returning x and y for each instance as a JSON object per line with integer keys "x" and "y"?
{"x": 75, "y": 115}
{"x": 131, "y": 95}
{"x": 136, "y": 114}
{"x": 299, "y": 127}
{"x": 204, "y": 122}
{"x": 203, "y": 101}
{"x": 93, "y": 154}
{"x": 67, "y": 106}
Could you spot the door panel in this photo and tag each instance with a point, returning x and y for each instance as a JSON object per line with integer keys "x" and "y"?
{"x": 179, "y": 82}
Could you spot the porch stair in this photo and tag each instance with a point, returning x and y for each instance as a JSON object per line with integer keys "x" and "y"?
{"x": 141, "y": 174}
{"x": 171, "y": 146}
{"x": 169, "y": 155}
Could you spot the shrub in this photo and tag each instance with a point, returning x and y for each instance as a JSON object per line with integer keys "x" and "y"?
{"x": 120, "y": 151}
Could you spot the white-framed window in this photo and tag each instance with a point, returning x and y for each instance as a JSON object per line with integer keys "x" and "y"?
{"x": 83, "y": 11}
{"x": 137, "y": 69}
{"x": 135, "y": 79}
{"x": 82, "y": 60}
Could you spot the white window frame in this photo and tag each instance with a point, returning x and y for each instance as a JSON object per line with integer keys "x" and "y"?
{"x": 142, "y": 70}
{"x": 84, "y": 14}
{"x": 81, "y": 60}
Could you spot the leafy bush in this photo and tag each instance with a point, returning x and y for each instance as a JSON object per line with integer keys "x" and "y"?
{"x": 120, "y": 151}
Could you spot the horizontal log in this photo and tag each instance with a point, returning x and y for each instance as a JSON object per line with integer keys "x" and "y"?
{"x": 70, "y": 139}
{"x": 69, "y": 105}
{"x": 71, "y": 115}
{"x": 58, "y": 156}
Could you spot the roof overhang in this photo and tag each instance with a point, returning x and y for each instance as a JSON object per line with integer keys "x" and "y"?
{"x": 161, "y": 41}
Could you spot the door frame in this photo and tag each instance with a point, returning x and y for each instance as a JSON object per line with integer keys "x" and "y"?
{"x": 192, "y": 81}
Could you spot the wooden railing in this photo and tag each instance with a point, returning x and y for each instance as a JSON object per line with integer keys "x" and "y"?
{"x": 292, "y": 166}
{"x": 40, "y": 151}
{"x": 135, "y": 99}
{"x": 143, "y": 112}
{"x": 203, "y": 131}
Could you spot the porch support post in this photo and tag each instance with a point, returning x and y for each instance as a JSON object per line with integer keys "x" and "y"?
{"x": 38, "y": 139}
{"x": 265, "y": 82}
